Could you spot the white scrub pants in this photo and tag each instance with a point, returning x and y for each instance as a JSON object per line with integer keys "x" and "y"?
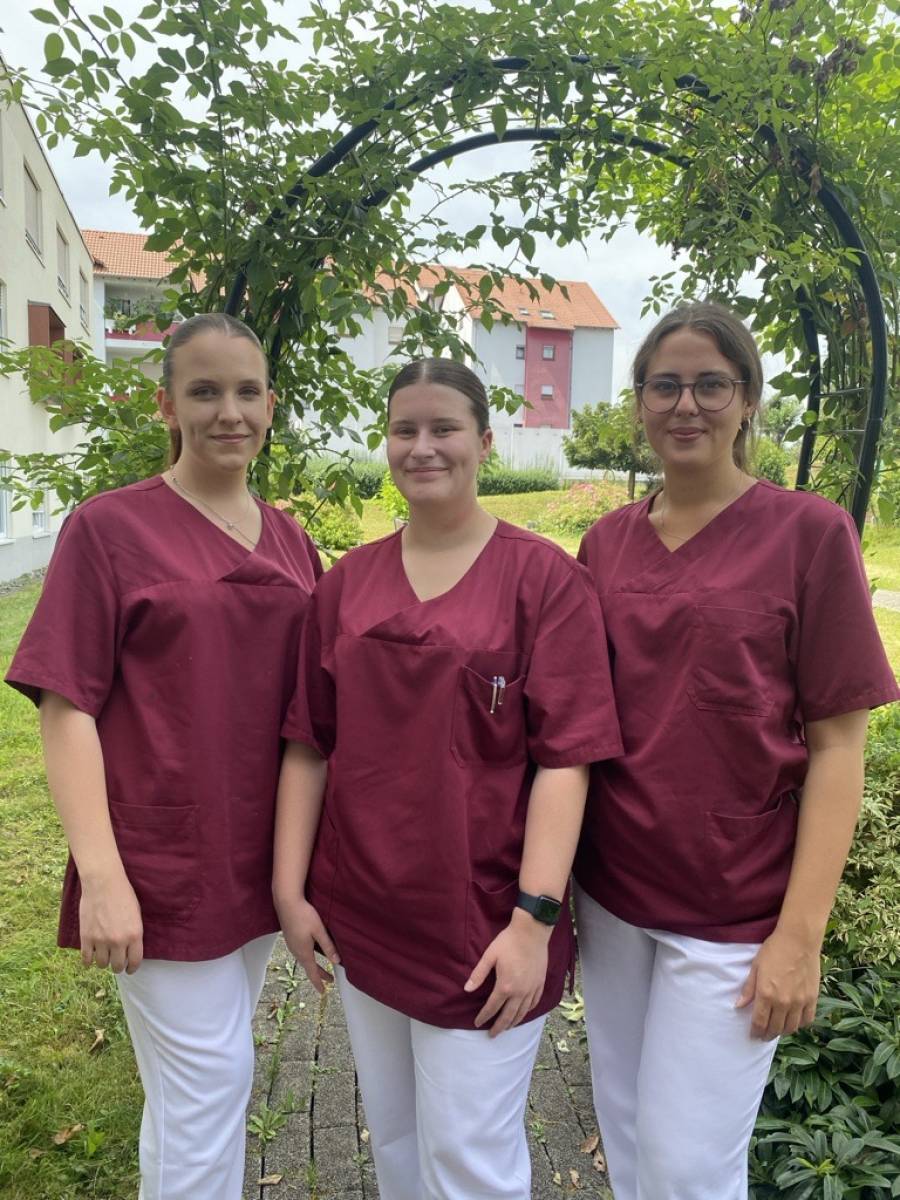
{"x": 190, "y": 1024}
{"x": 677, "y": 1077}
{"x": 445, "y": 1107}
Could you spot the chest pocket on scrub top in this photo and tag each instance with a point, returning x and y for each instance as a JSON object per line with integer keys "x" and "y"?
{"x": 489, "y": 711}
{"x": 736, "y": 656}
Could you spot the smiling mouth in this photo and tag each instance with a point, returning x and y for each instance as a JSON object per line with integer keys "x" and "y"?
{"x": 230, "y": 437}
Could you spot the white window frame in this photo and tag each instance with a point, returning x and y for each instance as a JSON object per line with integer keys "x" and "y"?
{"x": 34, "y": 238}
{"x": 395, "y": 334}
{"x": 547, "y": 391}
{"x": 84, "y": 300}
{"x": 520, "y": 351}
{"x": 5, "y": 510}
{"x": 548, "y": 315}
{"x": 548, "y": 353}
{"x": 40, "y": 519}
{"x": 63, "y": 274}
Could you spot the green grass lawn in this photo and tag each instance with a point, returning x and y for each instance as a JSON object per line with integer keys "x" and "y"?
{"x": 59, "y": 1077}
{"x": 882, "y": 550}
{"x": 57, "y": 1072}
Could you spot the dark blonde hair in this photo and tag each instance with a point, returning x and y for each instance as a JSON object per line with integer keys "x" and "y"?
{"x": 202, "y": 323}
{"x": 732, "y": 339}
{"x": 450, "y": 374}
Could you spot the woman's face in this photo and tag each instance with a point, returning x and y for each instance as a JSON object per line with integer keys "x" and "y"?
{"x": 688, "y": 435}
{"x": 219, "y": 400}
{"x": 434, "y": 448}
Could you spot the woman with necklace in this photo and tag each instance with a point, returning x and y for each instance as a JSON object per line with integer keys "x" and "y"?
{"x": 161, "y": 654}
{"x": 745, "y": 660}
{"x": 453, "y": 685}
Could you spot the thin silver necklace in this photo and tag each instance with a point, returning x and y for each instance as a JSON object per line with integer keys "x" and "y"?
{"x": 231, "y": 526}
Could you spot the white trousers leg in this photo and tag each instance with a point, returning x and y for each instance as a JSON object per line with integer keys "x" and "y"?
{"x": 677, "y": 1078}
{"x": 190, "y": 1024}
{"x": 445, "y": 1107}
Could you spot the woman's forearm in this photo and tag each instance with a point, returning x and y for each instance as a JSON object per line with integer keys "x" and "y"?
{"x": 828, "y": 813}
{"x": 555, "y": 813}
{"x": 77, "y": 781}
{"x": 301, "y": 789}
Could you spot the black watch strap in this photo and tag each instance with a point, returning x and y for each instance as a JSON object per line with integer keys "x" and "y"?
{"x": 543, "y": 908}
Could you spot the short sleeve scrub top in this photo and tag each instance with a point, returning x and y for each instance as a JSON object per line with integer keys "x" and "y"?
{"x": 434, "y": 716}
{"x": 721, "y": 650}
{"x": 182, "y": 644}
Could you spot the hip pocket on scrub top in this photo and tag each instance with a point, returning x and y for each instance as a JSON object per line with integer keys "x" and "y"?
{"x": 736, "y": 655}
{"x": 158, "y": 846}
{"x": 488, "y": 720}
{"x": 749, "y": 859}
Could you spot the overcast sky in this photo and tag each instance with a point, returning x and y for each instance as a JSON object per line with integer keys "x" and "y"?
{"x": 619, "y": 270}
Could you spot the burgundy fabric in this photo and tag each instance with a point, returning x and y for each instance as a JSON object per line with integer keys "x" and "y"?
{"x": 721, "y": 651}
{"x": 416, "y": 865}
{"x": 182, "y": 644}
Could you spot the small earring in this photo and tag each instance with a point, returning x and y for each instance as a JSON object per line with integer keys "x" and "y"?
{"x": 745, "y": 425}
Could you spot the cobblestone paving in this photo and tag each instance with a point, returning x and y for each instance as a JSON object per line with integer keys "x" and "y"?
{"x": 306, "y": 1105}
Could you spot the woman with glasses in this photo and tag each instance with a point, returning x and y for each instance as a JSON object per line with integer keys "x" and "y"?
{"x": 745, "y": 660}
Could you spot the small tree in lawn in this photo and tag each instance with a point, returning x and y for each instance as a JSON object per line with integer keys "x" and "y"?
{"x": 606, "y": 437}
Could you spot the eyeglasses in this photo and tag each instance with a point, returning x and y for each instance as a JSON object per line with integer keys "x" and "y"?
{"x": 660, "y": 394}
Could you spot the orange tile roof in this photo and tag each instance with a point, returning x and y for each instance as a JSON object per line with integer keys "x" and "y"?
{"x": 123, "y": 254}
{"x": 582, "y": 310}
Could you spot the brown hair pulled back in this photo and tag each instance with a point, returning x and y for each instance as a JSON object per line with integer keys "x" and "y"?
{"x": 201, "y": 323}
{"x": 448, "y": 373}
{"x": 733, "y": 340}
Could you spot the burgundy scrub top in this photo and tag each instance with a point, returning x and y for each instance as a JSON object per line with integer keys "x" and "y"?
{"x": 721, "y": 650}
{"x": 182, "y": 644}
{"x": 416, "y": 864}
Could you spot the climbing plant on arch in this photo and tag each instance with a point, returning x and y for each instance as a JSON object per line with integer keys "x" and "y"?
{"x": 755, "y": 141}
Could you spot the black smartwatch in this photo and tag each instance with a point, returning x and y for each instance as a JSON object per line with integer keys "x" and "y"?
{"x": 543, "y": 908}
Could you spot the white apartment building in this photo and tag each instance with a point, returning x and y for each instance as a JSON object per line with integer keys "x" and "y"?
{"x": 557, "y": 355}
{"x": 45, "y": 295}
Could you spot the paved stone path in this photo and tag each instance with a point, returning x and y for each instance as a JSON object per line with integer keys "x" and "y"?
{"x": 886, "y": 599}
{"x": 306, "y": 1105}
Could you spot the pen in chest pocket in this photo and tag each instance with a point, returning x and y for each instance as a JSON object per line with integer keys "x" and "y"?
{"x": 498, "y": 687}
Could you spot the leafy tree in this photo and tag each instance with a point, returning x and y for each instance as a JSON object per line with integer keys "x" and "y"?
{"x": 779, "y": 415}
{"x": 607, "y": 437}
{"x": 221, "y": 145}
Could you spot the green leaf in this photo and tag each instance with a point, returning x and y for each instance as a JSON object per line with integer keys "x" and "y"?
{"x": 54, "y": 47}
{"x": 499, "y": 119}
{"x": 60, "y": 66}
{"x": 42, "y": 14}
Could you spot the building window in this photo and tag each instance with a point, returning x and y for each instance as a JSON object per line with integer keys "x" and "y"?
{"x": 395, "y": 334}
{"x": 40, "y": 518}
{"x": 547, "y": 391}
{"x": 519, "y": 389}
{"x": 5, "y": 520}
{"x": 548, "y": 352}
{"x": 83, "y": 300}
{"x": 547, "y": 314}
{"x": 33, "y": 214}
{"x": 523, "y": 312}
{"x": 62, "y": 264}
{"x": 520, "y": 351}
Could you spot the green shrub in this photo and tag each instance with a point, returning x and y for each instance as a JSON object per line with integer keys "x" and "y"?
{"x": 392, "y": 499}
{"x": 829, "y": 1119}
{"x": 504, "y": 481}
{"x": 332, "y": 526}
{"x": 770, "y": 461}
{"x": 831, "y": 1110}
{"x": 579, "y": 507}
{"x": 367, "y": 476}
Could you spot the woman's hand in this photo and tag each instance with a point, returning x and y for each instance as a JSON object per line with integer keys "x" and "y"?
{"x": 303, "y": 928}
{"x": 518, "y": 957}
{"x": 109, "y": 916}
{"x": 783, "y": 986}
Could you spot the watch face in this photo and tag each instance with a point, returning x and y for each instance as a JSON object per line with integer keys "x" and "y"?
{"x": 547, "y": 910}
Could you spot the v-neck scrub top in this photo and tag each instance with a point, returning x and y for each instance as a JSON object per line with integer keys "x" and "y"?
{"x": 721, "y": 651}
{"x": 416, "y": 864}
{"x": 182, "y": 645}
